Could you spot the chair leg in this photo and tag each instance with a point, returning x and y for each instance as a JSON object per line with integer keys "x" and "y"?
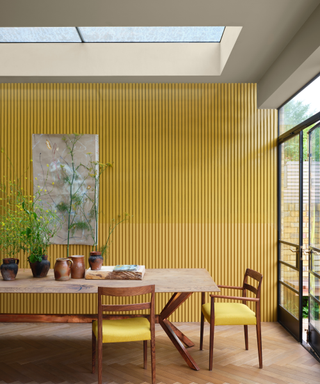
{"x": 202, "y": 321}
{"x": 211, "y": 342}
{"x": 201, "y": 331}
{"x": 145, "y": 348}
{"x": 94, "y": 347}
{"x": 246, "y": 337}
{"x": 153, "y": 359}
{"x": 259, "y": 341}
{"x": 99, "y": 361}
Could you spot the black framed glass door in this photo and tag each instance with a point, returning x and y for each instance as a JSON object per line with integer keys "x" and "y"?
{"x": 314, "y": 239}
{"x": 290, "y": 239}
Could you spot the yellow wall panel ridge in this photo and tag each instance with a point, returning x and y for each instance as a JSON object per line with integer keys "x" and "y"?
{"x": 195, "y": 164}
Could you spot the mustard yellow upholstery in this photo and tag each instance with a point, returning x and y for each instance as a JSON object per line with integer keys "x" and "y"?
{"x": 117, "y": 331}
{"x": 230, "y": 314}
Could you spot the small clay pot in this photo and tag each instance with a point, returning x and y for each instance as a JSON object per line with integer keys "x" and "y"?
{"x": 77, "y": 267}
{"x": 95, "y": 260}
{"x": 40, "y": 268}
{"x": 62, "y": 269}
{"x": 9, "y": 268}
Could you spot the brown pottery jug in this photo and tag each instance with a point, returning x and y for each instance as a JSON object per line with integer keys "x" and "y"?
{"x": 62, "y": 269}
{"x": 77, "y": 267}
{"x": 9, "y": 268}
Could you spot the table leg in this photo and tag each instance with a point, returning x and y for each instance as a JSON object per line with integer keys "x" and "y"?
{"x": 173, "y": 333}
{"x": 186, "y": 341}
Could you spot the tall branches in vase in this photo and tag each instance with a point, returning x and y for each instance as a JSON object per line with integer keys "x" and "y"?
{"x": 82, "y": 178}
{"x": 95, "y": 170}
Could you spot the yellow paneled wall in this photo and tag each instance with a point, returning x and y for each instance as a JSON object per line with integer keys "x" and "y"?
{"x": 194, "y": 163}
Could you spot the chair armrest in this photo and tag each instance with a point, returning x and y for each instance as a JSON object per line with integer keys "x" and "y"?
{"x": 229, "y": 286}
{"x": 235, "y": 298}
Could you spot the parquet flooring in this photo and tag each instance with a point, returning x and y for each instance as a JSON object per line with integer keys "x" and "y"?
{"x": 33, "y": 353}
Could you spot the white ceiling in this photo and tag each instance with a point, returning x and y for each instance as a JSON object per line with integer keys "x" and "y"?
{"x": 268, "y": 29}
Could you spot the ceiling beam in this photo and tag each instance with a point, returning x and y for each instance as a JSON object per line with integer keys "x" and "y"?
{"x": 297, "y": 65}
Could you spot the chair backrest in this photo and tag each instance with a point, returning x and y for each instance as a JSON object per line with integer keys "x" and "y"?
{"x": 122, "y": 292}
{"x": 246, "y": 286}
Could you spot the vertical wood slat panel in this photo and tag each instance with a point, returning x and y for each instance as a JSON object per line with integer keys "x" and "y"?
{"x": 194, "y": 163}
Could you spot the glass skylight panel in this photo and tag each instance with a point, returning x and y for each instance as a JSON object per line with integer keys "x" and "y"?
{"x": 152, "y": 34}
{"x": 39, "y": 35}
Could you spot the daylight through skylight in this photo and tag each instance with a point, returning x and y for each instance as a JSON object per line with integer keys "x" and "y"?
{"x": 152, "y": 34}
{"x": 39, "y": 35}
{"x": 112, "y": 34}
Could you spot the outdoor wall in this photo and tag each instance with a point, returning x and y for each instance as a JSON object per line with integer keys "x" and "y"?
{"x": 194, "y": 163}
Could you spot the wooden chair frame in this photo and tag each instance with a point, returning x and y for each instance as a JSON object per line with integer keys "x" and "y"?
{"x": 245, "y": 287}
{"x": 123, "y": 292}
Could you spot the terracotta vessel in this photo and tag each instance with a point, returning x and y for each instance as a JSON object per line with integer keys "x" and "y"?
{"x": 9, "y": 268}
{"x": 95, "y": 260}
{"x": 62, "y": 269}
{"x": 77, "y": 267}
{"x": 40, "y": 268}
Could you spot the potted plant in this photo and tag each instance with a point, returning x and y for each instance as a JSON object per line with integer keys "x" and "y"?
{"x": 41, "y": 224}
{"x": 25, "y": 224}
{"x": 12, "y": 220}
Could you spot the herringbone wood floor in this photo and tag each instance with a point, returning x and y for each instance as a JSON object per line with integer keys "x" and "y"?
{"x": 61, "y": 353}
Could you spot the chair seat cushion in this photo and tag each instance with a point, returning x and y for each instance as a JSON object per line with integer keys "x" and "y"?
{"x": 230, "y": 314}
{"x": 117, "y": 331}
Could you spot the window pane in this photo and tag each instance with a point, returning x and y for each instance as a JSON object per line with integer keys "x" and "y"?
{"x": 314, "y": 286}
{"x": 290, "y": 301}
{"x": 287, "y": 255}
{"x": 315, "y": 262}
{"x": 290, "y": 190}
{"x": 152, "y": 34}
{"x": 305, "y": 104}
{"x": 314, "y": 314}
{"x": 314, "y": 158}
{"x": 290, "y": 276}
{"x": 39, "y": 35}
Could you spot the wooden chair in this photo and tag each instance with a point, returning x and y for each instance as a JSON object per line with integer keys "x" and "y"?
{"x": 233, "y": 313}
{"x": 124, "y": 328}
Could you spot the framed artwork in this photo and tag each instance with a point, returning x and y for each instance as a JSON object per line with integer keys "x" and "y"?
{"x": 65, "y": 169}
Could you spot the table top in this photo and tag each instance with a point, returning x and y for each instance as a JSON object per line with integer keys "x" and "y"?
{"x": 165, "y": 280}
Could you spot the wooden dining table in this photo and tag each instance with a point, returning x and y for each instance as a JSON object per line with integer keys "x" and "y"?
{"x": 182, "y": 283}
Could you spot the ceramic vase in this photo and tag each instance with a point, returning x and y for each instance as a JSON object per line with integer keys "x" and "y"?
{"x": 77, "y": 267}
{"x": 40, "y": 268}
{"x": 9, "y": 268}
{"x": 95, "y": 260}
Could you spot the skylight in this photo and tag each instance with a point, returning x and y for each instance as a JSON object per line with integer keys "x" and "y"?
{"x": 112, "y": 35}
{"x": 152, "y": 34}
{"x": 39, "y": 35}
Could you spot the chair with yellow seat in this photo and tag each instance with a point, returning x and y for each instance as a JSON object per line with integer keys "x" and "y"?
{"x": 123, "y": 328}
{"x": 234, "y": 313}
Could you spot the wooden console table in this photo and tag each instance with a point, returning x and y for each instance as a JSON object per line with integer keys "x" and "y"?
{"x": 181, "y": 282}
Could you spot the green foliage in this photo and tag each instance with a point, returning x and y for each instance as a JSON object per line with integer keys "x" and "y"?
{"x": 62, "y": 207}
{"x": 26, "y": 223}
{"x": 315, "y": 310}
{"x": 81, "y": 207}
{"x": 294, "y": 113}
{"x": 79, "y": 225}
{"x": 12, "y": 219}
{"x": 305, "y": 307}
